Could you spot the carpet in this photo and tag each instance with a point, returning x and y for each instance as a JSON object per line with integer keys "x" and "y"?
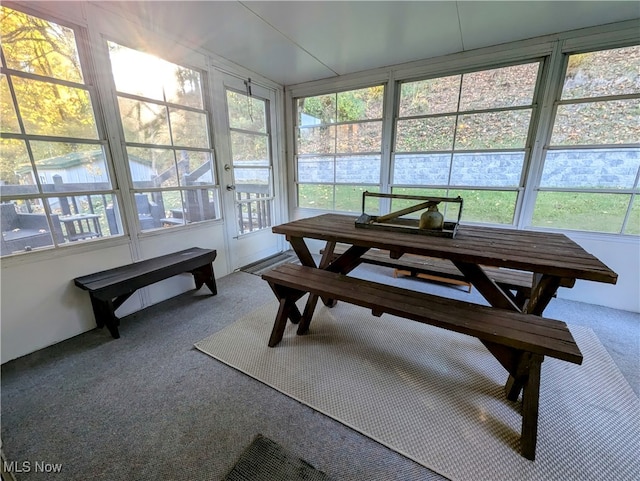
{"x": 265, "y": 460}
{"x": 437, "y": 396}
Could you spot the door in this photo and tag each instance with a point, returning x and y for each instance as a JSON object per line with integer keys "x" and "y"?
{"x": 249, "y": 170}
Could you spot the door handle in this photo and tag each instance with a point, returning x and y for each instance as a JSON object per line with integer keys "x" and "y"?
{"x": 231, "y": 187}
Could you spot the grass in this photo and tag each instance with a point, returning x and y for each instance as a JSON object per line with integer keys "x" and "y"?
{"x": 562, "y": 210}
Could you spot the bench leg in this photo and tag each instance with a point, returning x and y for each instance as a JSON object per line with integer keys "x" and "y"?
{"x": 104, "y": 313}
{"x": 204, "y": 275}
{"x": 530, "y": 404}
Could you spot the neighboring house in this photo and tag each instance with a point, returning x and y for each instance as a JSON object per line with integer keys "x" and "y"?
{"x": 86, "y": 167}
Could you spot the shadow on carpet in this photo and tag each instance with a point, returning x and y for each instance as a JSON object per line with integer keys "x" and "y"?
{"x": 265, "y": 459}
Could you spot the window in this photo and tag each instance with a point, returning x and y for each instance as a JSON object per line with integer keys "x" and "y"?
{"x": 54, "y": 168}
{"x": 339, "y": 148}
{"x": 592, "y": 160}
{"x": 168, "y": 139}
{"x": 466, "y": 135}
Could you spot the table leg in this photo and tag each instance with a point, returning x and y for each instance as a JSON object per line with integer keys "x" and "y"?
{"x": 287, "y": 309}
{"x": 491, "y": 291}
{"x": 530, "y": 406}
{"x": 543, "y": 290}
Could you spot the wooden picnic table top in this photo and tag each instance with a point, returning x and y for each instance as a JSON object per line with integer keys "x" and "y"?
{"x": 547, "y": 253}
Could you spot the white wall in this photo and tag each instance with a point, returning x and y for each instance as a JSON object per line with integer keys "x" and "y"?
{"x": 40, "y": 305}
{"x": 622, "y": 255}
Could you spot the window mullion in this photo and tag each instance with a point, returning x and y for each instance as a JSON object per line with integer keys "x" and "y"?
{"x": 551, "y": 81}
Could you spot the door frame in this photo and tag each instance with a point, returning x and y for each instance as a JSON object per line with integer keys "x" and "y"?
{"x": 221, "y": 82}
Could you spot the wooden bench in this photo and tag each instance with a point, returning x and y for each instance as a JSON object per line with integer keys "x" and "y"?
{"x": 518, "y": 341}
{"x": 109, "y": 289}
{"x": 443, "y": 270}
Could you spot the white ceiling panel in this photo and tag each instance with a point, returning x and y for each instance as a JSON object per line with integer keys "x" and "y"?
{"x": 291, "y": 42}
{"x": 231, "y": 31}
{"x": 491, "y": 23}
{"x": 354, "y": 36}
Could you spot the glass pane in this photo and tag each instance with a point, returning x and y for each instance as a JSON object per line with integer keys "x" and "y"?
{"x": 246, "y": 113}
{"x": 361, "y": 169}
{"x": 25, "y": 227}
{"x": 493, "y": 130}
{"x": 397, "y": 204}
{"x": 67, "y": 167}
{"x": 16, "y": 174}
{"x": 607, "y": 72}
{"x": 200, "y": 205}
{"x": 8, "y": 118}
{"x": 249, "y": 149}
{"x": 196, "y": 168}
{"x": 493, "y": 169}
{"x": 152, "y": 167}
{"x": 253, "y": 210}
{"x": 315, "y": 196}
{"x": 51, "y": 109}
{"x": 614, "y": 122}
{"x": 496, "y": 207}
{"x": 421, "y": 169}
{"x": 317, "y": 140}
{"x": 591, "y": 168}
{"x": 317, "y": 110}
{"x": 432, "y": 96}
{"x": 83, "y": 217}
{"x": 188, "y": 128}
{"x": 582, "y": 211}
{"x": 429, "y": 134}
{"x": 360, "y": 104}
{"x": 349, "y": 198}
{"x": 364, "y": 137}
{"x": 251, "y": 176}
{"x": 316, "y": 169}
{"x": 144, "y": 122}
{"x": 183, "y": 86}
{"x": 501, "y": 87}
{"x": 159, "y": 209}
{"x": 34, "y": 45}
{"x": 112, "y": 217}
{"x": 633, "y": 223}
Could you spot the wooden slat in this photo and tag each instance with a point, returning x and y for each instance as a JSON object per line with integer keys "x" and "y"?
{"x": 545, "y": 253}
{"x": 521, "y": 331}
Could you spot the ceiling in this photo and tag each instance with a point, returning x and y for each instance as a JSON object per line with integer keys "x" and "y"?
{"x": 297, "y": 41}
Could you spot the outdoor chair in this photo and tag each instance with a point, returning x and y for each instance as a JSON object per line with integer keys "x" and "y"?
{"x": 25, "y": 231}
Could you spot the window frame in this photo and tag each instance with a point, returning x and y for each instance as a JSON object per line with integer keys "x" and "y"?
{"x": 61, "y": 237}
{"x": 131, "y": 190}
{"x": 552, "y": 102}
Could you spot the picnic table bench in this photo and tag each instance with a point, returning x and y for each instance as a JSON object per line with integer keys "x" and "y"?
{"x": 517, "y": 340}
{"x": 443, "y": 270}
{"x": 110, "y": 288}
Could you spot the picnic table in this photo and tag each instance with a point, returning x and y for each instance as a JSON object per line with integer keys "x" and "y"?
{"x": 511, "y": 328}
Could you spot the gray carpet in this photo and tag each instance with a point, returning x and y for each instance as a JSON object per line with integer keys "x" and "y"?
{"x": 149, "y": 406}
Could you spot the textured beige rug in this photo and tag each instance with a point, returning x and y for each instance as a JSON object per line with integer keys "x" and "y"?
{"x": 437, "y": 397}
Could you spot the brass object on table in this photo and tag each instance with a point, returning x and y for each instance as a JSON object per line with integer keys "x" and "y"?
{"x": 431, "y": 222}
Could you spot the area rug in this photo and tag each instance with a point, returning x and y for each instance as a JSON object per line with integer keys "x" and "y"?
{"x": 437, "y": 397}
{"x": 265, "y": 460}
